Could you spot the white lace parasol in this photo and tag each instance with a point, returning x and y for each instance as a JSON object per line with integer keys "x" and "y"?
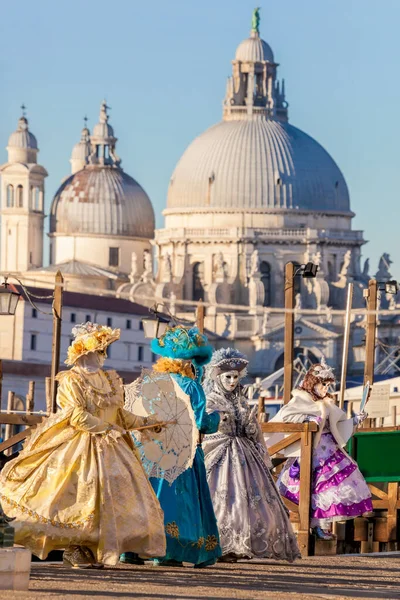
{"x": 167, "y": 454}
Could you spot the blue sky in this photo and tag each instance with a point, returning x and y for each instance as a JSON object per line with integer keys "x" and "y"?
{"x": 162, "y": 67}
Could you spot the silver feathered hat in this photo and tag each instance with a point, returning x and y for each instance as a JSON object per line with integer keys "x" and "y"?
{"x": 224, "y": 360}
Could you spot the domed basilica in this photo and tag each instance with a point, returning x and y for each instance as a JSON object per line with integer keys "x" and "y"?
{"x": 250, "y": 194}
{"x": 101, "y": 219}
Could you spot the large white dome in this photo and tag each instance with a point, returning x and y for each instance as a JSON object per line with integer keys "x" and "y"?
{"x": 257, "y": 164}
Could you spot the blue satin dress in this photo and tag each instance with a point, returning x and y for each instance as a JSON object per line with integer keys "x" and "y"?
{"x": 189, "y": 519}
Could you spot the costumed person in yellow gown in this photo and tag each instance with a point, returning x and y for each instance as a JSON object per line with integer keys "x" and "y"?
{"x": 78, "y": 484}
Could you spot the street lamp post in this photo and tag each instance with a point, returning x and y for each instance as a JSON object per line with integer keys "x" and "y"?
{"x": 306, "y": 271}
{"x": 9, "y": 298}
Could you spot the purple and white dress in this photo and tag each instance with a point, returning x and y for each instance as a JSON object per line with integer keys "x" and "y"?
{"x": 339, "y": 491}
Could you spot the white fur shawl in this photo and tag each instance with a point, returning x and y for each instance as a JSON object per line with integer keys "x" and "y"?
{"x": 301, "y": 406}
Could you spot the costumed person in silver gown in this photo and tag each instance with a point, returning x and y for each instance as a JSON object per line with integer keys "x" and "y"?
{"x": 252, "y": 519}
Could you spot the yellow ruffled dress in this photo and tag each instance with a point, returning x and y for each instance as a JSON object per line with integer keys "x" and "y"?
{"x": 78, "y": 483}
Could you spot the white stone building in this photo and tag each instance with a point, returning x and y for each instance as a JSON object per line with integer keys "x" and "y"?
{"x": 248, "y": 195}
{"x": 26, "y": 339}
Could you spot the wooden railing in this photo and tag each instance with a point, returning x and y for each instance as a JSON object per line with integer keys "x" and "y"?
{"x": 25, "y": 417}
{"x": 303, "y": 433}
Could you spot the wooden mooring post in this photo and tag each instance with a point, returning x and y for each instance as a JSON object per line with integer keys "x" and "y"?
{"x": 55, "y": 353}
{"x": 372, "y": 300}
{"x": 289, "y": 332}
{"x": 200, "y": 316}
{"x": 346, "y": 339}
{"x": 9, "y": 426}
{"x": 30, "y": 398}
{"x": 1, "y": 381}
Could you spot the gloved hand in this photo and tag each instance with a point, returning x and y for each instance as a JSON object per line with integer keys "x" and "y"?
{"x": 251, "y": 426}
{"x": 360, "y": 418}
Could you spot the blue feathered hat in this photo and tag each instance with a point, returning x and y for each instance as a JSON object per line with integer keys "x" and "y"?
{"x": 187, "y": 344}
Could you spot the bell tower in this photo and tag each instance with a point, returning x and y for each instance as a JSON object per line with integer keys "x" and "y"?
{"x": 22, "y": 202}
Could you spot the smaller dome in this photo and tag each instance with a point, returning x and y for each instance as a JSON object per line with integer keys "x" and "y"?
{"x": 103, "y": 130}
{"x": 22, "y": 138}
{"x": 254, "y": 49}
{"x": 102, "y": 200}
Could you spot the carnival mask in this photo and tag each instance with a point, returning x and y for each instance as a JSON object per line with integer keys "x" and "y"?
{"x": 229, "y": 380}
{"x": 321, "y": 389}
{"x": 93, "y": 361}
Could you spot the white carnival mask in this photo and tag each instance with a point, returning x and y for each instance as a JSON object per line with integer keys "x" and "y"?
{"x": 92, "y": 362}
{"x": 229, "y": 380}
{"x": 322, "y": 388}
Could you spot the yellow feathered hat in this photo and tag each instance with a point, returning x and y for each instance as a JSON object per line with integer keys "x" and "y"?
{"x": 90, "y": 337}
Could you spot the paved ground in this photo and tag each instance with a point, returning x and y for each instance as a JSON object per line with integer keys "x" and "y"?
{"x": 344, "y": 577}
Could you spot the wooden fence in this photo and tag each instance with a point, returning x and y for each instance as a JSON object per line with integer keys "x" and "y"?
{"x": 303, "y": 433}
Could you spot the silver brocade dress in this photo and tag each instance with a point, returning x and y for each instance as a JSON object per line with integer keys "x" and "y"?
{"x": 252, "y": 519}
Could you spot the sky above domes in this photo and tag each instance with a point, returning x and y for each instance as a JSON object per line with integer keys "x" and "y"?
{"x": 162, "y": 67}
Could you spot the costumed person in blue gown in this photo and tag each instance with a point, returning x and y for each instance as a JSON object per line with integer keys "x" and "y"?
{"x": 189, "y": 519}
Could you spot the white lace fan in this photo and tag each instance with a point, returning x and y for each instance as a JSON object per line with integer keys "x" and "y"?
{"x": 167, "y": 454}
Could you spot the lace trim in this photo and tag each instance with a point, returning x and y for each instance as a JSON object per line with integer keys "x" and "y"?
{"x": 40, "y": 519}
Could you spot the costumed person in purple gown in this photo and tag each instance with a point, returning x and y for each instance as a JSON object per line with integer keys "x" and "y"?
{"x": 252, "y": 519}
{"x": 339, "y": 491}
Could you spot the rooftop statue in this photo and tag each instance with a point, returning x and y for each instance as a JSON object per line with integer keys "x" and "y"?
{"x": 255, "y": 22}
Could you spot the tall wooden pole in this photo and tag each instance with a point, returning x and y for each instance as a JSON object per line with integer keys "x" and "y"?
{"x": 346, "y": 339}
{"x": 289, "y": 332}
{"x": 370, "y": 332}
{"x": 55, "y": 352}
{"x": 200, "y": 316}
{"x": 1, "y": 382}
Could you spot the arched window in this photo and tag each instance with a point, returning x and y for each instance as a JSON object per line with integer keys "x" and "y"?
{"x": 265, "y": 270}
{"x": 10, "y": 196}
{"x": 32, "y": 198}
{"x": 36, "y": 205}
{"x": 20, "y": 196}
{"x": 197, "y": 284}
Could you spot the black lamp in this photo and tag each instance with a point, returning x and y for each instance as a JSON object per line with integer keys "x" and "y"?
{"x": 8, "y": 299}
{"x": 390, "y": 287}
{"x": 154, "y": 326}
{"x": 310, "y": 270}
